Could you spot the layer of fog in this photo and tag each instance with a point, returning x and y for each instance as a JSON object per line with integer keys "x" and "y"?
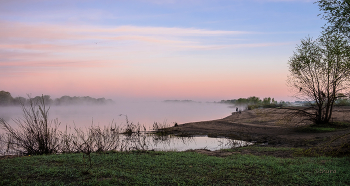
{"x": 145, "y": 113}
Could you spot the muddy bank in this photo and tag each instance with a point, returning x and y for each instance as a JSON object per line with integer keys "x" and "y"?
{"x": 269, "y": 126}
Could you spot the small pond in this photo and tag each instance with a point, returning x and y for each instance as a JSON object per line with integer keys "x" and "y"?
{"x": 148, "y": 141}
{"x": 176, "y": 143}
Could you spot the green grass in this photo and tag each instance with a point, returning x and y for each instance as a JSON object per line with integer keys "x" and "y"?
{"x": 258, "y": 149}
{"x": 173, "y": 168}
{"x": 324, "y": 127}
{"x": 320, "y": 129}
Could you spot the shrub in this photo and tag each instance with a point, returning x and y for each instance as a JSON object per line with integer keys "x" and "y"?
{"x": 34, "y": 133}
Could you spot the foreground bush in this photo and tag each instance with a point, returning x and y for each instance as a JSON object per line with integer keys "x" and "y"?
{"x": 34, "y": 134}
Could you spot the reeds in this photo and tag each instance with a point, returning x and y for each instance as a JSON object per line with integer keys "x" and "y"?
{"x": 161, "y": 128}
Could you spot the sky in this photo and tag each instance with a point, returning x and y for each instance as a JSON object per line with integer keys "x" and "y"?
{"x": 204, "y": 50}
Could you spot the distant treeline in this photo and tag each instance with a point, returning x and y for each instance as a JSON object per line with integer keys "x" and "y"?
{"x": 186, "y": 101}
{"x": 252, "y": 100}
{"x": 255, "y": 102}
{"x": 6, "y": 99}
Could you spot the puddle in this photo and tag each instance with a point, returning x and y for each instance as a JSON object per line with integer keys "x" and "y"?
{"x": 147, "y": 141}
{"x": 197, "y": 142}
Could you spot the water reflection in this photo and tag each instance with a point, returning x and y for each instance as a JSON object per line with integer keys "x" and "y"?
{"x": 199, "y": 142}
{"x": 150, "y": 141}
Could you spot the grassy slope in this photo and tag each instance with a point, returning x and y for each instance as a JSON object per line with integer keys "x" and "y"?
{"x": 173, "y": 168}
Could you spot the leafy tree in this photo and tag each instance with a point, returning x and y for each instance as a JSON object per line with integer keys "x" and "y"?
{"x": 46, "y": 99}
{"x": 266, "y": 101}
{"x": 5, "y": 98}
{"x": 241, "y": 101}
{"x": 337, "y": 13}
{"x": 319, "y": 71}
{"x": 254, "y": 100}
{"x": 20, "y": 100}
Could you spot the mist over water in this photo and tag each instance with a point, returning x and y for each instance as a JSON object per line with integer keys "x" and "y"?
{"x": 143, "y": 112}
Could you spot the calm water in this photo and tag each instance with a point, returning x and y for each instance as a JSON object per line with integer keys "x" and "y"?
{"x": 145, "y": 113}
{"x": 198, "y": 142}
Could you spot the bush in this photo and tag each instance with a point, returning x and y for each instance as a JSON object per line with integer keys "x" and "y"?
{"x": 251, "y": 107}
{"x": 34, "y": 134}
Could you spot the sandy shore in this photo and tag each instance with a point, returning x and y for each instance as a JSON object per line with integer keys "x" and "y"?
{"x": 263, "y": 126}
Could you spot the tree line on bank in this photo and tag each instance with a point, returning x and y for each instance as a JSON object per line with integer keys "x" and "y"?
{"x": 6, "y": 99}
{"x": 252, "y": 100}
{"x": 255, "y": 102}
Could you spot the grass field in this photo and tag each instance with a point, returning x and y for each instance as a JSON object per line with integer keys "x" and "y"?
{"x": 174, "y": 168}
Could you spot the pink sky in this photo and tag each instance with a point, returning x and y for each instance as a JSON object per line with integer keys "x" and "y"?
{"x": 43, "y": 60}
{"x": 160, "y": 51}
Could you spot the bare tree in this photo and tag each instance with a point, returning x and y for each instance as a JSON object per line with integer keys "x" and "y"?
{"x": 319, "y": 71}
